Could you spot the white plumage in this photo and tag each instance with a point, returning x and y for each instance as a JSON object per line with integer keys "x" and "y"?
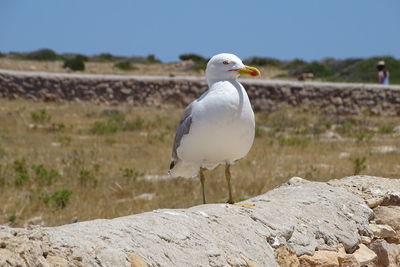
{"x": 218, "y": 127}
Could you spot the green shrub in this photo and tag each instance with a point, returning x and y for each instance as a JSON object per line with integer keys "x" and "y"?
{"x": 364, "y": 136}
{"x": 131, "y": 174}
{"x": 76, "y": 63}
{"x": 104, "y": 127}
{"x": 152, "y": 59}
{"x": 42, "y": 54}
{"x": 125, "y": 65}
{"x": 293, "y": 64}
{"x": 11, "y": 219}
{"x": 116, "y": 117}
{"x": 294, "y": 141}
{"x": 21, "y": 171}
{"x": 258, "y": 132}
{"x": 263, "y": 61}
{"x": 66, "y": 56}
{"x": 359, "y": 165}
{"x": 347, "y": 128}
{"x": 386, "y": 129}
{"x": 56, "y": 127}
{"x": 194, "y": 57}
{"x": 104, "y": 57}
{"x": 319, "y": 70}
{"x": 40, "y": 116}
{"x": 86, "y": 177}
{"x": 200, "y": 62}
{"x": 136, "y": 124}
{"x": 45, "y": 176}
{"x": 58, "y": 199}
{"x": 116, "y": 122}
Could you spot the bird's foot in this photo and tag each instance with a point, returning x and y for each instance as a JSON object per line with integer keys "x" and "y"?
{"x": 244, "y": 205}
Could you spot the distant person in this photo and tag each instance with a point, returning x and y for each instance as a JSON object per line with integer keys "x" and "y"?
{"x": 383, "y": 74}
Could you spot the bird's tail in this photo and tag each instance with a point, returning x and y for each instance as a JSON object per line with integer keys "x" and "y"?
{"x": 179, "y": 168}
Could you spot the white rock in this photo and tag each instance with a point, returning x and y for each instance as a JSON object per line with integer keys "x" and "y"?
{"x": 384, "y": 149}
{"x": 145, "y": 196}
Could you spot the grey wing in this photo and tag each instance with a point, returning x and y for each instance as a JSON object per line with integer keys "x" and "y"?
{"x": 183, "y": 129}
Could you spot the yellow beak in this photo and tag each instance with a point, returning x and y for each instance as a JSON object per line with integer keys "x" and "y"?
{"x": 252, "y": 71}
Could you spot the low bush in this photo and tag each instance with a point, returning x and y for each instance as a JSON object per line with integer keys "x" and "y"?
{"x": 58, "y": 199}
{"x": 194, "y": 57}
{"x": 125, "y": 65}
{"x": 41, "y": 116}
{"x": 76, "y": 63}
{"x": 152, "y": 59}
{"x": 200, "y": 62}
{"x": 42, "y": 54}
{"x": 263, "y": 61}
{"x": 319, "y": 70}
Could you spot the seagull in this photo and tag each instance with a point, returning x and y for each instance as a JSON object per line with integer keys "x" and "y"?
{"x": 218, "y": 127}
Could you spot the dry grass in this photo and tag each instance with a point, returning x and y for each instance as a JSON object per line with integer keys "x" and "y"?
{"x": 177, "y": 69}
{"x": 95, "y": 161}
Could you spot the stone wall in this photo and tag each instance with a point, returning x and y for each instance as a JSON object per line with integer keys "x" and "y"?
{"x": 267, "y": 95}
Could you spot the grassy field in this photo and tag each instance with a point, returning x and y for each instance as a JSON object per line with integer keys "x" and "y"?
{"x": 60, "y": 161}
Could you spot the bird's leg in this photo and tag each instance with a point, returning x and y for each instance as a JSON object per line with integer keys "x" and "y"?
{"x": 228, "y": 179}
{"x": 202, "y": 179}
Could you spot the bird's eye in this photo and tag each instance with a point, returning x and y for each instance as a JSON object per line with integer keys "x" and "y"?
{"x": 225, "y": 62}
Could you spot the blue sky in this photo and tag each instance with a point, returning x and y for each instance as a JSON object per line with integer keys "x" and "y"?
{"x": 307, "y": 29}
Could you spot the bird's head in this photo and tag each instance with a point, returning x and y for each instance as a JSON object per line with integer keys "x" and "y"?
{"x": 228, "y": 67}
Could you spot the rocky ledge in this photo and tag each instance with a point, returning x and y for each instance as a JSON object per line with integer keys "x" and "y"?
{"x": 354, "y": 221}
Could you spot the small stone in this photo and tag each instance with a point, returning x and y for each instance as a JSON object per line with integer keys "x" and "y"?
{"x": 384, "y": 149}
{"x": 374, "y": 202}
{"x": 343, "y": 155}
{"x": 365, "y": 240}
{"x": 320, "y": 258}
{"x": 126, "y": 91}
{"x": 382, "y": 231}
{"x": 57, "y": 261}
{"x": 389, "y": 215}
{"x": 364, "y": 255}
{"x": 8, "y": 258}
{"x": 286, "y": 257}
{"x": 37, "y": 220}
{"x": 296, "y": 180}
{"x": 348, "y": 260}
{"x": 136, "y": 260}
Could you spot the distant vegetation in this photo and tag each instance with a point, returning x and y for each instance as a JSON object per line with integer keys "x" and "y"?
{"x": 124, "y": 65}
{"x": 200, "y": 62}
{"x": 328, "y": 69}
{"x": 75, "y": 63}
